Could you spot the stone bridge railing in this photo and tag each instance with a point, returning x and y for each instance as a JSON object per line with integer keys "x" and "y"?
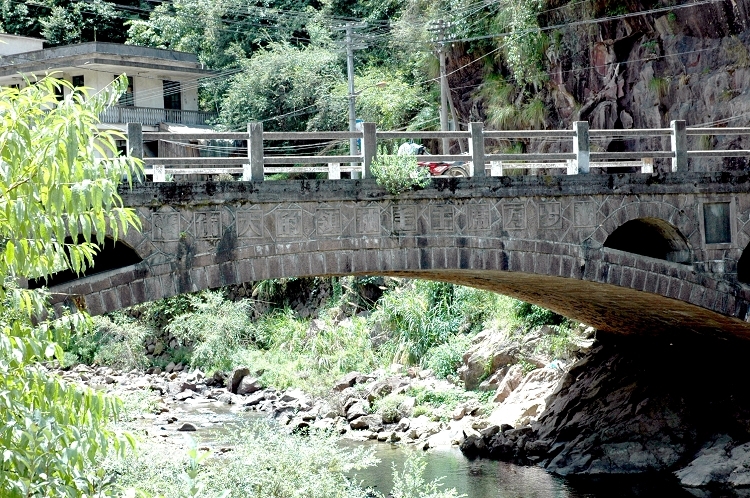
{"x": 256, "y": 162}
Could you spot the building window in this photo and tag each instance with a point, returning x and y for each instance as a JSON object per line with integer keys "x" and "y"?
{"x": 172, "y": 95}
{"x": 127, "y": 98}
{"x": 77, "y": 81}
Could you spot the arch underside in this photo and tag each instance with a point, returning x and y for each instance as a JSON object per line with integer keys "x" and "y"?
{"x": 601, "y": 292}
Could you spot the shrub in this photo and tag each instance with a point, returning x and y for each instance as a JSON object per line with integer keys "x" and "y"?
{"x": 119, "y": 342}
{"x": 217, "y": 328}
{"x": 398, "y": 174}
{"x": 445, "y": 359}
{"x": 387, "y": 407}
{"x": 265, "y": 462}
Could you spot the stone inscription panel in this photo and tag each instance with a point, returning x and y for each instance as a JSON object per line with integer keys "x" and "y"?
{"x": 442, "y": 218}
{"x": 249, "y": 223}
{"x": 550, "y": 215}
{"x": 367, "y": 220}
{"x": 478, "y": 217}
{"x": 404, "y": 218}
{"x": 165, "y": 227}
{"x": 328, "y": 222}
{"x": 584, "y": 214}
{"x": 289, "y": 223}
{"x": 514, "y": 216}
{"x": 207, "y": 225}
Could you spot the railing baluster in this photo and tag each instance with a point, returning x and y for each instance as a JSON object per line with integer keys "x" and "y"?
{"x": 476, "y": 149}
{"x": 581, "y": 147}
{"x": 334, "y": 171}
{"x": 254, "y": 152}
{"x": 369, "y": 148}
{"x": 679, "y": 145}
{"x": 135, "y": 140}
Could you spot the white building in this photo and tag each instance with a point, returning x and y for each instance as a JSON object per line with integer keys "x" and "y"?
{"x": 163, "y": 84}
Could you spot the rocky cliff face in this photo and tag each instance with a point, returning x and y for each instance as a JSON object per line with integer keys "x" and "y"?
{"x": 644, "y": 405}
{"x": 642, "y": 71}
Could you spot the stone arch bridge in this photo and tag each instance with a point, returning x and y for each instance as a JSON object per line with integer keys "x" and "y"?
{"x": 624, "y": 253}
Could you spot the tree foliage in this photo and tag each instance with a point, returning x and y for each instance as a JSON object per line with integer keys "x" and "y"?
{"x": 58, "y": 178}
{"x": 63, "y": 22}
{"x": 282, "y": 82}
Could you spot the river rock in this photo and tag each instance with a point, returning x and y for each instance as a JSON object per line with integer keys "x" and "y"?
{"x": 234, "y": 379}
{"x": 372, "y": 422}
{"x": 719, "y": 462}
{"x": 253, "y": 399}
{"x": 248, "y": 385}
{"x": 182, "y": 396}
{"x": 511, "y": 380}
{"x": 187, "y": 427}
{"x": 527, "y": 401}
{"x": 347, "y": 380}
{"x": 406, "y": 407}
{"x": 358, "y": 409}
{"x": 473, "y": 443}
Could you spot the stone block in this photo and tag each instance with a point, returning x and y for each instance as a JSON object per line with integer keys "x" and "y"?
{"x": 229, "y": 273}
{"x": 651, "y": 282}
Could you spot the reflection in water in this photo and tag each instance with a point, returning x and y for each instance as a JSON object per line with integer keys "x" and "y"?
{"x": 477, "y": 478}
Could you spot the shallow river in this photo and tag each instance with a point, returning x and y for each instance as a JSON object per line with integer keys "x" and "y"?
{"x": 475, "y": 478}
{"x": 488, "y": 479}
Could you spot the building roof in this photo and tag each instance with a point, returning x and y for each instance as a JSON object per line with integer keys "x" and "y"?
{"x": 103, "y": 56}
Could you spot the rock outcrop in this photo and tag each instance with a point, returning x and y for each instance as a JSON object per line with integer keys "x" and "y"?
{"x": 642, "y": 405}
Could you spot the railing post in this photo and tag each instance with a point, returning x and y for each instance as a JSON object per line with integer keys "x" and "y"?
{"x": 334, "y": 171}
{"x": 254, "y": 170}
{"x": 679, "y": 145}
{"x": 476, "y": 149}
{"x": 581, "y": 147}
{"x": 369, "y": 148}
{"x": 135, "y": 140}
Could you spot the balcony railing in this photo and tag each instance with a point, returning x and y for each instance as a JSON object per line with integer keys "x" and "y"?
{"x": 151, "y": 116}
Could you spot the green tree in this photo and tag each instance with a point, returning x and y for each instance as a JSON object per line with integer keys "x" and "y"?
{"x": 284, "y": 82}
{"x": 63, "y": 22}
{"x": 58, "y": 179}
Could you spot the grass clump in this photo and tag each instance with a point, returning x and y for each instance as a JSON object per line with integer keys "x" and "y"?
{"x": 445, "y": 358}
{"x": 291, "y": 352}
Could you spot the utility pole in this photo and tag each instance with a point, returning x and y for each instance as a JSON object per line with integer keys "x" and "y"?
{"x": 351, "y": 46}
{"x": 439, "y": 28}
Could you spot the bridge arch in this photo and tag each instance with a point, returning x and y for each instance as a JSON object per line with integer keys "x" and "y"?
{"x": 534, "y": 238}
{"x": 651, "y": 237}
{"x": 113, "y": 255}
{"x": 654, "y": 214}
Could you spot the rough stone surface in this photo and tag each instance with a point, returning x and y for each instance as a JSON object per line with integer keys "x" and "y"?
{"x": 511, "y": 380}
{"x": 641, "y": 405}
